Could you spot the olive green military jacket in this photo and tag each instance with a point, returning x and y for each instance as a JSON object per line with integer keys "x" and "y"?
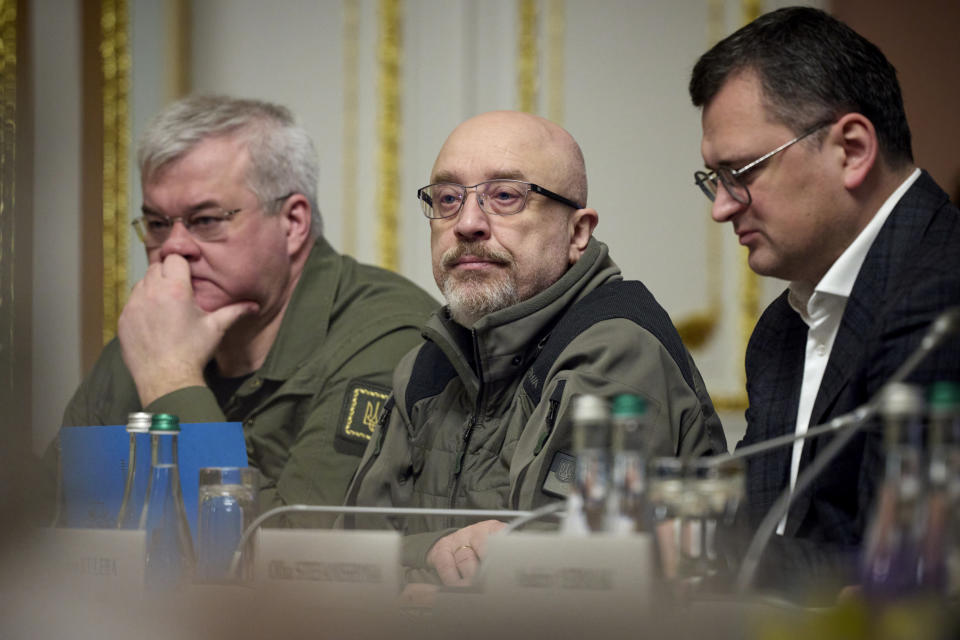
{"x": 309, "y": 411}
{"x": 480, "y": 416}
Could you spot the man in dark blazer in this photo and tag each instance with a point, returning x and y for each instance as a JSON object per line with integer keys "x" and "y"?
{"x": 809, "y": 158}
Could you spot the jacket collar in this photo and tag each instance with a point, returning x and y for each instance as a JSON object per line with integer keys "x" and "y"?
{"x": 502, "y": 345}
{"x": 307, "y": 317}
{"x": 892, "y": 250}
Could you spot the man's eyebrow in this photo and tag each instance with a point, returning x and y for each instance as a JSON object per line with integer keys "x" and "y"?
{"x": 510, "y": 174}
{"x": 200, "y": 206}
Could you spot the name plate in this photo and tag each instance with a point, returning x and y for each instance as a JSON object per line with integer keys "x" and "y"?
{"x": 554, "y": 572}
{"x": 338, "y": 568}
{"x": 107, "y": 561}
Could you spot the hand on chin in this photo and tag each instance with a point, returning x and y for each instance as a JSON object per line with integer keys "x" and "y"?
{"x": 170, "y": 328}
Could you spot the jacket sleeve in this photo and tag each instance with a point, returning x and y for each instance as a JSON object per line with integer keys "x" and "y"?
{"x": 319, "y": 466}
{"x": 106, "y": 395}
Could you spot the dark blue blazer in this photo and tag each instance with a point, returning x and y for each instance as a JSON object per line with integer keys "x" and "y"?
{"x": 910, "y": 274}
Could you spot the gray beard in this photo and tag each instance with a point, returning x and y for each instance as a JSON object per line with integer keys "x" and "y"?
{"x": 470, "y": 299}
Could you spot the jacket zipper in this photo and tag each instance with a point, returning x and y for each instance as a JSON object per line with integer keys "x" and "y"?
{"x": 465, "y": 441}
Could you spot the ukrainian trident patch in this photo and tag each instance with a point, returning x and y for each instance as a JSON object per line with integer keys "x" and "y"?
{"x": 362, "y": 404}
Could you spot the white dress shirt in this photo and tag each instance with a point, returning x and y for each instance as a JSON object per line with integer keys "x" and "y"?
{"x": 822, "y": 309}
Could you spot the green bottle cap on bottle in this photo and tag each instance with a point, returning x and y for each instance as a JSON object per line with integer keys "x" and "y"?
{"x": 627, "y": 404}
{"x": 944, "y": 396}
{"x": 165, "y": 422}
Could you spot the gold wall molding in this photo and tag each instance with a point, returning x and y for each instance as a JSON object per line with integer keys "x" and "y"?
{"x": 389, "y": 55}
{"x": 556, "y": 59}
{"x": 179, "y": 51}
{"x": 528, "y": 58}
{"x": 350, "y": 127}
{"x": 14, "y": 382}
{"x": 699, "y": 327}
{"x": 8, "y": 160}
{"x": 527, "y": 63}
{"x": 115, "y": 70}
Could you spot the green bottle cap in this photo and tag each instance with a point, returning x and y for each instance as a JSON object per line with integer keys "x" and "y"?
{"x": 944, "y": 396}
{"x": 165, "y": 422}
{"x": 627, "y": 404}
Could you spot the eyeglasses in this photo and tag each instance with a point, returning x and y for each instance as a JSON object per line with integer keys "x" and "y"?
{"x": 206, "y": 225}
{"x": 730, "y": 178}
{"x": 495, "y": 197}
{"x": 209, "y": 224}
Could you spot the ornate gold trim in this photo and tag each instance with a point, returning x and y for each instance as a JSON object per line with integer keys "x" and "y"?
{"x": 8, "y": 161}
{"x": 179, "y": 50}
{"x": 350, "y": 128}
{"x": 528, "y": 85}
{"x": 750, "y": 10}
{"x": 115, "y": 69}
{"x": 556, "y": 60}
{"x": 389, "y": 52}
{"x": 697, "y": 328}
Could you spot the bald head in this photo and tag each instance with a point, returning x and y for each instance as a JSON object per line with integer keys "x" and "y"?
{"x": 523, "y": 146}
{"x": 484, "y": 262}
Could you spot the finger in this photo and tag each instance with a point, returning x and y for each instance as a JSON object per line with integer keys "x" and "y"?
{"x": 467, "y": 562}
{"x": 175, "y": 266}
{"x": 480, "y": 542}
{"x": 224, "y": 317}
{"x": 446, "y": 568}
{"x": 154, "y": 270}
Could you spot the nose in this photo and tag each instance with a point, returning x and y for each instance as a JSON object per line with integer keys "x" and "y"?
{"x": 179, "y": 242}
{"x": 725, "y": 206}
{"x": 472, "y": 223}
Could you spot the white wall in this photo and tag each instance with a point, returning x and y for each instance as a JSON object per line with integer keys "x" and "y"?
{"x": 626, "y": 68}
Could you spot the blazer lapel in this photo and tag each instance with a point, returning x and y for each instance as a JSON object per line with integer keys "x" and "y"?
{"x": 885, "y": 258}
{"x": 778, "y": 341}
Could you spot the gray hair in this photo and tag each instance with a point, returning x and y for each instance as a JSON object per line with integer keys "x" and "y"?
{"x": 283, "y": 158}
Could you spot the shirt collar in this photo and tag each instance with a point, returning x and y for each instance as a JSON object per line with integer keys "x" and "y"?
{"x": 839, "y": 279}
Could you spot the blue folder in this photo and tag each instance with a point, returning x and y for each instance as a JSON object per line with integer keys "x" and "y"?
{"x": 94, "y": 468}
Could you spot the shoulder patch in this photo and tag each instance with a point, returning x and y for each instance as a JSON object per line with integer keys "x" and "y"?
{"x": 362, "y": 404}
{"x": 560, "y": 476}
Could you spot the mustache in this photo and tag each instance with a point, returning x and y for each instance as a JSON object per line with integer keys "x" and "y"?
{"x": 477, "y": 250}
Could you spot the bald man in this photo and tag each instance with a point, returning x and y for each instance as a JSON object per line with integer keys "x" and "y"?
{"x": 536, "y": 313}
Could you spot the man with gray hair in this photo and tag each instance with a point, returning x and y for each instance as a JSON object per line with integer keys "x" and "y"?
{"x": 246, "y": 313}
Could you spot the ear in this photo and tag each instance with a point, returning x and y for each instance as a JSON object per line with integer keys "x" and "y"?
{"x": 857, "y": 140}
{"x": 297, "y": 216}
{"x": 581, "y": 225}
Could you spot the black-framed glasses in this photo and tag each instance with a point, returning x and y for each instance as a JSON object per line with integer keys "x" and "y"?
{"x": 709, "y": 182}
{"x": 496, "y": 197}
{"x": 209, "y": 224}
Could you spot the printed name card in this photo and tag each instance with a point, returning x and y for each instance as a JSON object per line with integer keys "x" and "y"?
{"x": 106, "y": 561}
{"x": 553, "y": 572}
{"x": 337, "y": 568}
